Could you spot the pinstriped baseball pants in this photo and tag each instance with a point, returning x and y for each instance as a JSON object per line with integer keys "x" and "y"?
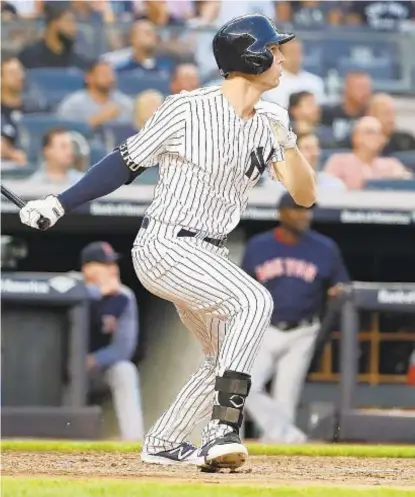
{"x": 222, "y": 306}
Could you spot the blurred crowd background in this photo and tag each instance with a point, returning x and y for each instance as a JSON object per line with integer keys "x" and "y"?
{"x": 78, "y": 77}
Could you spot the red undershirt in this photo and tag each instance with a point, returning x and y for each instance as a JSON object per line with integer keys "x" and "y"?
{"x": 280, "y": 237}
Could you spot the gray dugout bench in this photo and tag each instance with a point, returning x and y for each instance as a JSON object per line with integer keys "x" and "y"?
{"x": 44, "y": 343}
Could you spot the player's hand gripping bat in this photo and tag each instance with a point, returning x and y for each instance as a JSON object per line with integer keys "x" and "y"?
{"x": 42, "y": 223}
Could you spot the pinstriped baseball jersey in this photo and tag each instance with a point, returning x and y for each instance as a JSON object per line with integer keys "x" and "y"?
{"x": 209, "y": 158}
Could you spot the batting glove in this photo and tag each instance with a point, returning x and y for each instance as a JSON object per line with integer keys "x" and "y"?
{"x": 50, "y": 208}
{"x": 285, "y": 136}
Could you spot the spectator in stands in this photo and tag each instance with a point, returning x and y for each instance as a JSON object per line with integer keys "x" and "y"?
{"x": 14, "y": 103}
{"x": 185, "y": 77}
{"x": 92, "y": 11}
{"x": 309, "y": 146}
{"x": 382, "y": 106}
{"x": 364, "y": 163}
{"x": 112, "y": 337}
{"x": 8, "y": 11}
{"x": 56, "y": 48}
{"x": 309, "y": 13}
{"x": 143, "y": 40}
{"x": 356, "y": 94}
{"x": 26, "y": 9}
{"x": 381, "y": 15}
{"x": 146, "y": 103}
{"x": 167, "y": 12}
{"x": 304, "y": 112}
{"x": 99, "y": 12}
{"x": 100, "y": 102}
{"x": 58, "y": 159}
{"x": 294, "y": 79}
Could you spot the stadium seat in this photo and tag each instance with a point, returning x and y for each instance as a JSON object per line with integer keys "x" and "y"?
{"x": 407, "y": 158}
{"x": 11, "y": 171}
{"x": 390, "y": 184}
{"x": 113, "y": 134}
{"x": 379, "y": 69}
{"x": 132, "y": 83}
{"x": 33, "y": 127}
{"x": 326, "y": 136}
{"x": 314, "y": 59}
{"x": 355, "y": 49}
{"x": 56, "y": 83}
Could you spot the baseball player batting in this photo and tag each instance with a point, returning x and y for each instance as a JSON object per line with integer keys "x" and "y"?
{"x": 211, "y": 145}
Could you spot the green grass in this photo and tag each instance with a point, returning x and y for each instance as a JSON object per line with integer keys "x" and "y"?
{"x": 53, "y": 487}
{"x": 254, "y": 449}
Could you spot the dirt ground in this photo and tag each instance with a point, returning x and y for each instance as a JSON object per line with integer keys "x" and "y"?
{"x": 267, "y": 470}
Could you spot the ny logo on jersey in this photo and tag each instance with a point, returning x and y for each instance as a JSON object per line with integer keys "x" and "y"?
{"x": 257, "y": 163}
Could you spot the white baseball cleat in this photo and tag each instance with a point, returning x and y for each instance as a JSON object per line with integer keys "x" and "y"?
{"x": 224, "y": 452}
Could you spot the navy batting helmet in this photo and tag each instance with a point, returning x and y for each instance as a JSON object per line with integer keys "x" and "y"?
{"x": 241, "y": 45}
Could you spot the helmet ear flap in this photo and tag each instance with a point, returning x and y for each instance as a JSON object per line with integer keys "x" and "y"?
{"x": 259, "y": 61}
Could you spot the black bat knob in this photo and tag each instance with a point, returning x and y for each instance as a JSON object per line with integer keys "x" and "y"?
{"x": 43, "y": 223}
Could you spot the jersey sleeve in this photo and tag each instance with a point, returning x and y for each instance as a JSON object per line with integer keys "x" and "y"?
{"x": 142, "y": 149}
{"x": 339, "y": 272}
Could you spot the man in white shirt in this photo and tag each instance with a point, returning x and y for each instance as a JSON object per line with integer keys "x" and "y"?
{"x": 294, "y": 78}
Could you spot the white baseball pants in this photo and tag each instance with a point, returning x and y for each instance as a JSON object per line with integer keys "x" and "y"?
{"x": 123, "y": 381}
{"x": 222, "y": 306}
{"x": 284, "y": 357}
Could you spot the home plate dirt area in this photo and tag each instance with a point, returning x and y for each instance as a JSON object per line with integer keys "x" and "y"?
{"x": 259, "y": 470}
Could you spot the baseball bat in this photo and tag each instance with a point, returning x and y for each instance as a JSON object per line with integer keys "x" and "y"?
{"x": 42, "y": 223}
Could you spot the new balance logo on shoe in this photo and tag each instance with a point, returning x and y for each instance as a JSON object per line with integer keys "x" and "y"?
{"x": 182, "y": 452}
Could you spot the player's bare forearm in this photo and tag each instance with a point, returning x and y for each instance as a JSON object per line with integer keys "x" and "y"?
{"x": 298, "y": 177}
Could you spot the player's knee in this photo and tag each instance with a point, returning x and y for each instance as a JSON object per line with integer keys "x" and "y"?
{"x": 258, "y": 300}
{"x": 266, "y": 300}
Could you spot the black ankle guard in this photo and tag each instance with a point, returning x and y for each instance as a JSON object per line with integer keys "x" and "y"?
{"x": 232, "y": 388}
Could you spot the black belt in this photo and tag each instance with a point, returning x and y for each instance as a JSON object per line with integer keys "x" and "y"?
{"x": 217, "y": 242}
{"x": 288, "y": 326}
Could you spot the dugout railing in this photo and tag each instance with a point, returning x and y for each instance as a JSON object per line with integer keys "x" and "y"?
{"x": 349, "y": 420}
